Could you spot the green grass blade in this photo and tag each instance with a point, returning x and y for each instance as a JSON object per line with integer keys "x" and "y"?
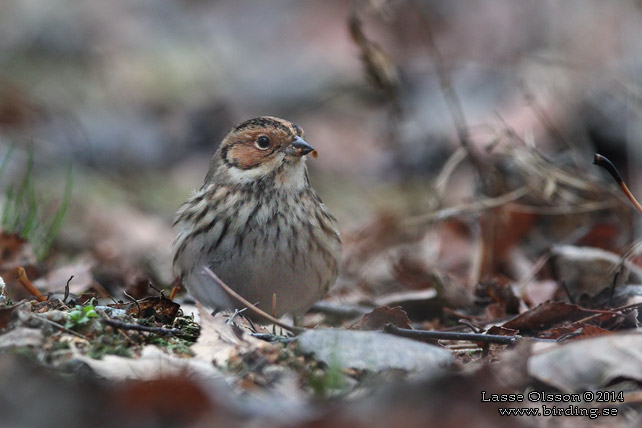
{"x": 59, "y": 217}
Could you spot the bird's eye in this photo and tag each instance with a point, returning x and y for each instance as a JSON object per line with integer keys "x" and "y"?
{"x": 263, "y": 142}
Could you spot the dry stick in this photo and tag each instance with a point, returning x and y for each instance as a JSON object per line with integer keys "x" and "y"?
{"x": 233, "y": 294}
{"x": 27, "y": 284}
{"x": 66, "y": 296}
{"x": 615, "y": 312}
{"x": 602, "y": 161}
{"x": 470, "y": 208}
{"x": 126, "y": 326}
{"x": 60, "y": 326}
{"x": 135, "y": 301}
{"x": 448, "y": 335}
{"x": 447, "y": 170}
{"x": 584, "y": 207}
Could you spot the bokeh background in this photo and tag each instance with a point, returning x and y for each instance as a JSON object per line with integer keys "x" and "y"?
{"x": 136, "y": 94}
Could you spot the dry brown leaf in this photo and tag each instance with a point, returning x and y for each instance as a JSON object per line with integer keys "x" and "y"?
{"x": 575, "y": 330}
{"x": 588, "y": 271}
{"x": 218, "y": 341}
{"x": 548, "y": 314}
{"x": 379, "y": 317}
{"x": 589, "y": 363}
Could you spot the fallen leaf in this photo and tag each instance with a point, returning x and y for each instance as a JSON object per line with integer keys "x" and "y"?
{"x": 152, "y": 364}
{"x": 379, "y": 317}
{"x": 575, "y": 330}
{"x": 588, "y": 271}
{"x": 502, "y": 331}
{"x": 218, "y": 341}
{"x": 589, "y": 363}
{"x": 375, "y": 351}
{"x": 548, "y": 314}
{"x": 20, "y": 337}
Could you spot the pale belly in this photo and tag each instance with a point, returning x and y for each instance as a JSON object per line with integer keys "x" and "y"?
{"x": 265, "y": 269}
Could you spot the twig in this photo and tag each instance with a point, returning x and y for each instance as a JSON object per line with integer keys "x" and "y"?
{"x": 448, "y": 335}
{"x": 135, "y": 301}
{"x": 582, "y": 207}
{"x": 470, "y": 208}
{"x": 446, "y": 171}
{"x": 470, "y": 325}
{"x": 137, "y": 327}
{"x": 603, "y": 161}
{"x": 64, "y": 299}
{"x": 158, "y": 290}
{"x": 28, "y": 285}
{"x": 628, "y": 307}
{"x": 60, "y": 326}
{"x": 233, "y": 294}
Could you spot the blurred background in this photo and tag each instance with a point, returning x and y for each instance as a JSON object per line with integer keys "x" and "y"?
{"x": 133, "y": 97}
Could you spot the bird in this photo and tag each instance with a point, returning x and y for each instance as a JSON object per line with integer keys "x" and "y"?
{"x": 257, "y": 223}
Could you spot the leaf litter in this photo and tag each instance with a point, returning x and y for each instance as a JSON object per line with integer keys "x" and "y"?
{"x": 421, "y": 290}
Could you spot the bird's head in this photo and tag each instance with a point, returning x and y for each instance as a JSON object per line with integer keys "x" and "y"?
{"x": 260, "y": 148}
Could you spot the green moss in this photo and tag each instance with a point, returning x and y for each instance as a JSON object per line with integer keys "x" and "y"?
{"x": 110, "y": 343}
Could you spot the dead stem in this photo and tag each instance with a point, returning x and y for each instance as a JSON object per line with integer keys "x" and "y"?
{"x": 603, "y": 161}
{"x": 471, "y": 208}
{"x": 137, "y": 327}
{"x": 449, "y": 335}
{"x": 28, "y": 285}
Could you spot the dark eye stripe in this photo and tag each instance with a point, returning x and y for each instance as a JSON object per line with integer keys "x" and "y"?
{"x": 235, "y": 164}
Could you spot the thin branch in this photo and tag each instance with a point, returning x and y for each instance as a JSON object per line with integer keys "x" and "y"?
{"x": 583, "y": 207}
{"x": 28, "y": 285}
{"x": 603, "y": 161}
{"x": 66, "y": 296}
{"x": 446, "y": 171}
{"x": 60, "y": 326}
{"x": 470, "y": 208}
{"x": 449, "y": 335}
{"x": 137, "y": 327}
{"x": 135, "y": 301}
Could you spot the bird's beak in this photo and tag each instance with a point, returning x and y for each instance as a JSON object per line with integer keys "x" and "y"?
{"x": 298, "y": 147}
